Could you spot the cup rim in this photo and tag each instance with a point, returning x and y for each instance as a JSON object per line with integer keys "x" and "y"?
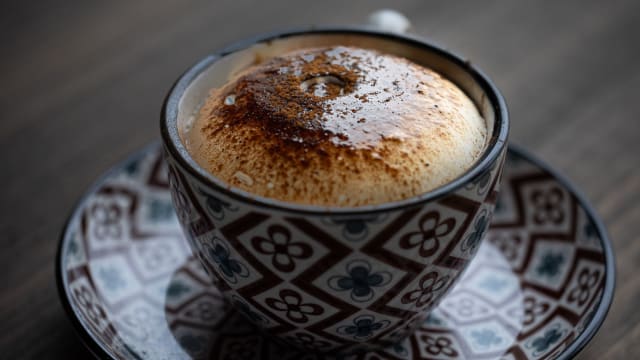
{"x": 173, "y": 144}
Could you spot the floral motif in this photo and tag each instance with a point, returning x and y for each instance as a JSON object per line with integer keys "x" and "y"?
{"x": 307, "y": 341}
{"x": 221, "y": 332}
{"x": 436, "y": 345}
{"x": 296, "y": 310}
{"x": 479, "y": 229}
{"x": 157, "y": 256}
{"x": 550, "y": 337}
{"x": 360, "y": 280}
{"x": 92, "y": 309}
{"x": 229, "y": 267}
{"x": 586, "y": 281}
{"x": 282, "y": 249}
{"x": 425, "y": 293}
{"x": 364, "y": 326}
{"x": 428, "y": 237}
{"x": 508, "y": 244}
{"x": 532, "y": 309}
{"x": 466, "y": 307}
{"x": 551, "y": 264}
{"x": 486, "y": 338}
{"x": 548, "y": 205}
{"x": 106, "y": 218}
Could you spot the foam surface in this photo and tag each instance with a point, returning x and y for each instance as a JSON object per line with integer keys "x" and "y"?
{"x": 338, "y": 126}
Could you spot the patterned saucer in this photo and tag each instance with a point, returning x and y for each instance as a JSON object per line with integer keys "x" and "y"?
{"x": 539, "y": 287}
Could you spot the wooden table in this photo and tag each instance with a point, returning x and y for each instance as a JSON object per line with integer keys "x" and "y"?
{"x": 83, "y": 82}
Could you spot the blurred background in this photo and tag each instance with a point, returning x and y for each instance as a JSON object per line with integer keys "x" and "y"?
{"x": 82, "y": 83}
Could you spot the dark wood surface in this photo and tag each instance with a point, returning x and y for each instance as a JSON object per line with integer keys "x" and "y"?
{"x": 82, "y": 84}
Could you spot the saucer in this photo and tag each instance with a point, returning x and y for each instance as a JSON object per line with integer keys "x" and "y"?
{"x": 539, "y": 287}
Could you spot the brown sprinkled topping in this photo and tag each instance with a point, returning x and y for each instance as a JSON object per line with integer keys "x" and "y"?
{"x": 319, "y": 95}
{"x": 340, "y": 125}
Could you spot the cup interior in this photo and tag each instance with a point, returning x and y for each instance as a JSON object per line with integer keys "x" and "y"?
{"x": 188, "y": 95}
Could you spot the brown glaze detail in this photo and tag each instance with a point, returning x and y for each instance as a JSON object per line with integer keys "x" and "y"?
{"x": 337, "y": 126}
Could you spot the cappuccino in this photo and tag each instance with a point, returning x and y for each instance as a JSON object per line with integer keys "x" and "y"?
{"x": 337, "y": 126}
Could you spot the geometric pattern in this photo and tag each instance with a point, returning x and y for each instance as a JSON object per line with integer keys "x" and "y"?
{"x": 134, "y": 291}
{"x": 303, "y": 274}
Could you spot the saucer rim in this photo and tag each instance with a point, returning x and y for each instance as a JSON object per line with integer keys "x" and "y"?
{"x": 97, "y": 348}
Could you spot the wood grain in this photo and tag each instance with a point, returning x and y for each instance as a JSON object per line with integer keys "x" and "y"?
{"x": 83, "y": 81}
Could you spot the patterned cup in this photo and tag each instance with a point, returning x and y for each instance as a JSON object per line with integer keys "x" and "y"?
{"x": 333, "y": 279}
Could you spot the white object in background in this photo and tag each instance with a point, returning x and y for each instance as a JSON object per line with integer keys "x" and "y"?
{"x": 389, "y": 20}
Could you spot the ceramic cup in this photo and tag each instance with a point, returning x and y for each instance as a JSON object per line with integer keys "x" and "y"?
{"x": 322, "y": 278}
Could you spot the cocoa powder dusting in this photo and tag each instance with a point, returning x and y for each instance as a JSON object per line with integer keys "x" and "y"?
{"x": 319, "y": 96}
{"x": 341, "y": 126}
{"x": 287, "y": 98}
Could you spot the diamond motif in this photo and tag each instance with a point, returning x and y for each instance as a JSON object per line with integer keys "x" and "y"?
{"x": 494, "y": 286}
{"x": 550, "y": 264}
{"x": 359, "y": 279}
{"x": 191, "y": 319}
{"x": 113, "y": 278}
{"x": 487, "y": 338}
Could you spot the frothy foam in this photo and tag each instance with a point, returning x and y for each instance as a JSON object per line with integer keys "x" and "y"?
{"x": 339, "y": 126}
